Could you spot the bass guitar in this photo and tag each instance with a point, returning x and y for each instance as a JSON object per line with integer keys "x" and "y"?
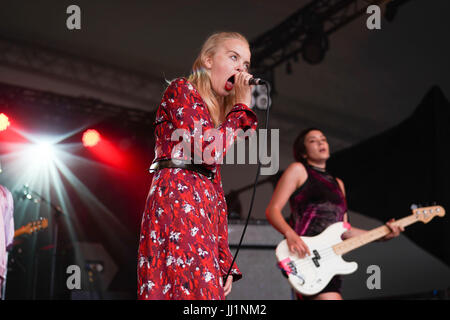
{"x": 311, "y": 274}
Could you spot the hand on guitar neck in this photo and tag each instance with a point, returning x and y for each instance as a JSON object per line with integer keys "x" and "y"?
{"x": 297, "y": 245}
{"x": 395, "y": 229}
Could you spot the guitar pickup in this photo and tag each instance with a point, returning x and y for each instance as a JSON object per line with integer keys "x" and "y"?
{"x": 316, "y": 254}
{"x": 316, "y": 258}
{"x": 316, "y": 262}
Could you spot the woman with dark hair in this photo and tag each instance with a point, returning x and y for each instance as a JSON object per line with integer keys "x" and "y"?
{"x": 317, "y": 200}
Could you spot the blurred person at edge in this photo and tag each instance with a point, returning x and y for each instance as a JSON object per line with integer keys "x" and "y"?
{"x": 6, "y": 234}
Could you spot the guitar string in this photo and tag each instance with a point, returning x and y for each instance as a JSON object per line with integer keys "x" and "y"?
{"x": 306, "y": 261}
{"x": 324, "y": 253}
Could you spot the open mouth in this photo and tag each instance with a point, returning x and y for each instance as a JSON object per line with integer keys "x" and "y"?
{"x": 230, "y": 83}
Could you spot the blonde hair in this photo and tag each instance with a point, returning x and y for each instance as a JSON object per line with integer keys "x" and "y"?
{"x": 201, "y": 80}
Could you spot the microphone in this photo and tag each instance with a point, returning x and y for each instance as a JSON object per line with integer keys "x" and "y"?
{"x": 256, "y": 81}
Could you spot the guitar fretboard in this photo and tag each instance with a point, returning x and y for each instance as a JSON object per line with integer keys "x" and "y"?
{"x": 370, "y": 236}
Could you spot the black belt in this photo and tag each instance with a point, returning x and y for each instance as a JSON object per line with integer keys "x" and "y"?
{"x": 188, "y": 166}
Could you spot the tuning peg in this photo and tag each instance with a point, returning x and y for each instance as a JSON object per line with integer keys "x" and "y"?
{"x": 413, "y": 206}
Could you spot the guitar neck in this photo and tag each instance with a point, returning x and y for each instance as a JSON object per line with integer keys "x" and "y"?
{"x": 19, "y": 232}
{"x": 370, "y": 236}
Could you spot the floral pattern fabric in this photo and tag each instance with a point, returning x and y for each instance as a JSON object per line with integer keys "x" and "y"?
{"x": 183, "y": 249}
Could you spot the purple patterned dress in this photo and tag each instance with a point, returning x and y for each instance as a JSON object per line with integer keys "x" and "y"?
{"x": 317, "y": 204}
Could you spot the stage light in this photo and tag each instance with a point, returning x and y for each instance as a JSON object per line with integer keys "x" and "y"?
{"x": 41, "y": 156}
{"x": 4, "y": 122}
{"x": 44, "y": 152}
{"x": 45, "y": 165}
{"x": 314, "y": 48}
{"x": 91, "y": 138}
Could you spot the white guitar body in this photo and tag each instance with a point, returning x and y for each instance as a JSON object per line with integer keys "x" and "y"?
{"x": 311, "y": 274}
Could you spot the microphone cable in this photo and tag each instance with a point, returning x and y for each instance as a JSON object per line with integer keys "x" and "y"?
{"x": 254, "y": 186}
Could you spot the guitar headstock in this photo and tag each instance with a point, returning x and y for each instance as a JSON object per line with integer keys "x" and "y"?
{"x": 35, "y": 226}
{"x": 425, "y": 214}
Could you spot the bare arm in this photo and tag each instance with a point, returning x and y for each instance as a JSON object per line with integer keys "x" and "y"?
{"x": 294, "y": 176}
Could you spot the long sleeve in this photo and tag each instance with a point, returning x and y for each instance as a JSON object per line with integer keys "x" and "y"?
{"x": 183, "y": 109}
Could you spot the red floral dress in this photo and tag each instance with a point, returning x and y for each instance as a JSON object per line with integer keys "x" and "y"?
{"x": 183, "y": 249}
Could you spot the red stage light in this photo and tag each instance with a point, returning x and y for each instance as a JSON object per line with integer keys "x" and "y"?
{"x": 4, "y": 122}
{"x": 91, "y": 138}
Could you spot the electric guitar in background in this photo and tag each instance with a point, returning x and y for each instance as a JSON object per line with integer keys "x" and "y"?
{"x": 32, "y": 227}
{"x": 311, "y": 274}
